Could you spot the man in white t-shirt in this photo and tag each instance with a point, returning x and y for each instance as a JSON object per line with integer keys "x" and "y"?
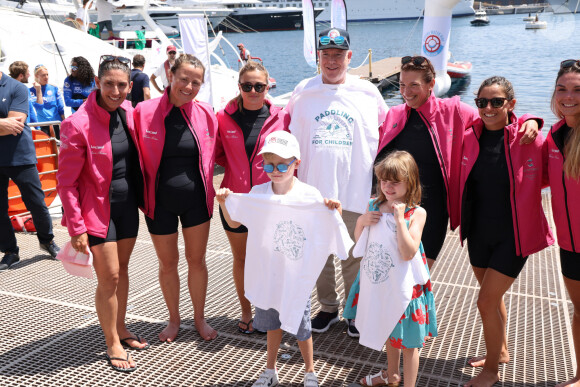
{"x": 83, "y": 21}
{"x": 163, "y": 71}
{"x": 105, "y": 10}
{"x": 336, "y": 118}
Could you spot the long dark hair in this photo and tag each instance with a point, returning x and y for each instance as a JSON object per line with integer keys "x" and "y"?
{"x": 85, "y": 73}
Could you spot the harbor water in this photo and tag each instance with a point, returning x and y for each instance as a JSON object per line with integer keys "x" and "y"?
{"x": 528, "y": 58}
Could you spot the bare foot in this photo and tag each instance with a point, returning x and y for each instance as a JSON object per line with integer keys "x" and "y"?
{"x": 479, "y": 361}
{"x": 117, "y": 351}
{"x": 170, "y": 332}
{"x": 204, "y": 330}
{"x": 484, "y": 379}
{"x": 570, "y": 383}
{"x": 380, "y": 379}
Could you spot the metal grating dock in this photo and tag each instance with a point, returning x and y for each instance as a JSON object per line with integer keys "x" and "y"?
{"x": 49, "y": 332}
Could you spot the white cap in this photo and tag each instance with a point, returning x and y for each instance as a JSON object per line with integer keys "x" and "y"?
{"x": 281, "y": 143}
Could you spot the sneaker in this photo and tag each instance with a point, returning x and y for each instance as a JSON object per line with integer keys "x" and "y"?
{"x": 323, "y": 321}
{"x": 51, "y": 248}
{"x": 268, "y": 378}
{"x": 352, "y": 331}
{"x": 310, "y": 379}
{"x": 9, "y": 260}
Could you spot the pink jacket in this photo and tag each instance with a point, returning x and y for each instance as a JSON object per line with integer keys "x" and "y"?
{"x": 565, "y": 191}
{"x": 531, "y": 231}
{"x": 150, "y": 125}
{"x": 446, "y": 120}
{"x": 86, "y": 167}
{"x": 240, "y": 175}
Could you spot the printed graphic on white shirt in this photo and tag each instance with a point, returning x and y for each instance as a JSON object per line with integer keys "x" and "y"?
{"x": 377, "y": 263}
{"x": 334, "y": 130}
{"x": 289, "y": 240}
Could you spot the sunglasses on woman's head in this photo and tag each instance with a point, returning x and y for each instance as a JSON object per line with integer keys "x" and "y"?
{"x": 496, "y": 102}
{"x": 417, "y": 60}
{"x": 283, "y": 168}
{"x": 569, "y": 63}
{"x": 247, "y": 87}
{"x": 112, "y": 58}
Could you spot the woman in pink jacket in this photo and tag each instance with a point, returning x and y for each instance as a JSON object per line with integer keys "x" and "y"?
{"x": 562, "y": 158}
{"x": 100, "y": 184}
{"x": 501, "y": 212}
{"x": 243, "y": 126}
{"x": 432, "y": 130}
{"x": 177, "y": 136}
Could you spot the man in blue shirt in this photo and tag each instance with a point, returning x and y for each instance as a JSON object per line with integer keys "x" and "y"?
{"x": 140, "y": 90}
{"x": 18, "y": 162}
{"x": 19, "y": 71}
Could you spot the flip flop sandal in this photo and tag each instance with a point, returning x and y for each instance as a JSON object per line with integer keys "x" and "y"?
{"x": 246, "y": 330}
{"x": 138, "y": 338}
{"x": 117, "y": 368}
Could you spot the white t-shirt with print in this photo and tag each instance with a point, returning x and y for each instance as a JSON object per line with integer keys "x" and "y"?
{"x": 337, "y": 127}
{"x": 386, "y": 282}
{"x": 289, "y": 239}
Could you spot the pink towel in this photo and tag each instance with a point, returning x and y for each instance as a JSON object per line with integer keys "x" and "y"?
{"x": 75, "y": 263}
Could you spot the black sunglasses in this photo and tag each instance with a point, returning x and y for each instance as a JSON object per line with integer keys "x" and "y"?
{"x": 496, "y": 102}
{"x": 247, "y": 87}
{"x": 417, "y": 60}
{"x": 569, "y": 63}
{"x": 112, "y": 58}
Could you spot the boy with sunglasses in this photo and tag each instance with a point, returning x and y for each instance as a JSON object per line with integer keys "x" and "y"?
{"x": 290, "y": 234}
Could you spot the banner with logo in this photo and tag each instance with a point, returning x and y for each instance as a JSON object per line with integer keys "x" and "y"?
{"x": 435, "y": 43}
{"x": 338, "y": 14}
{"x": 309, "y": 33}
{"x": 194, "y": 39}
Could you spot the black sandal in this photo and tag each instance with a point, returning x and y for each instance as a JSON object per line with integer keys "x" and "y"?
{"x": 137, "y": 338}
{"x": 117, "y": 368}
{"x": 246, "y": 330}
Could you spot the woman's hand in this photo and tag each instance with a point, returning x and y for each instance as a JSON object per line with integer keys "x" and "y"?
{"x": 530, "y": 130}
{"x": 333, "y": 204}
{"x": 80, "y": 243}
{"x": 222, "y": 194}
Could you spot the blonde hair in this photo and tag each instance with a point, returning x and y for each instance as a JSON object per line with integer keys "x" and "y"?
{"x": 38, "y": 68}
{"x": 572, "y": 141}
{"x": 249, "y": 66}
{"x": 399, "y": 166}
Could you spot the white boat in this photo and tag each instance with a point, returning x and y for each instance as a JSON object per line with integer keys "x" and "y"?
{"x": 480, "y": 18}
{"x": 375, "y": 10}
{"x": 536, "y": 25}
{"x": 565, "y": 6}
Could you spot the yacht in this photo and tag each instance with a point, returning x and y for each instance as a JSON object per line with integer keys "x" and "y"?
{"x": 480, "y": 19}
{"x": 373, "y": 10}
{"x": 565, "y": 6}
{"x": 257, "y": 16}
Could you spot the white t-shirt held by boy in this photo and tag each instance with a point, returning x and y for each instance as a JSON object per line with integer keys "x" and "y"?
{"x": 289, "y": 238}
{"x": 337, "y": 127}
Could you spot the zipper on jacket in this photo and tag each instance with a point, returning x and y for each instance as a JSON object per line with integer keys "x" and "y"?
{"x": 513, "y": 183}
{"x": 200, "y": 155}
{"x": 567, "y": 210}
{"x": 440, "y": 154}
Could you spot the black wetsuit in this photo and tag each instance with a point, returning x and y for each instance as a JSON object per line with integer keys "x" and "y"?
{"x": 126, "y": 184}
{"x": 415, "y": 139}
{"x": 490, "y": 232}
{"x": 251, "y": 122}
{"x": 180, "y": 189}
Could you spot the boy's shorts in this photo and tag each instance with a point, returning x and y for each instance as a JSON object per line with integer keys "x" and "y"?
{"x": 269, "y": 320}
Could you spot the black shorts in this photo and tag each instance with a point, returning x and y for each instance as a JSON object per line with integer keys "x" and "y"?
{"x": 108, "y": 24}
{"x": 165, "y": 222}
{"x": 238, "y": 230}
{"x": 124, "y": 224}
{"x": 499, "y": 254}
{"x": 570, "y": 263}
